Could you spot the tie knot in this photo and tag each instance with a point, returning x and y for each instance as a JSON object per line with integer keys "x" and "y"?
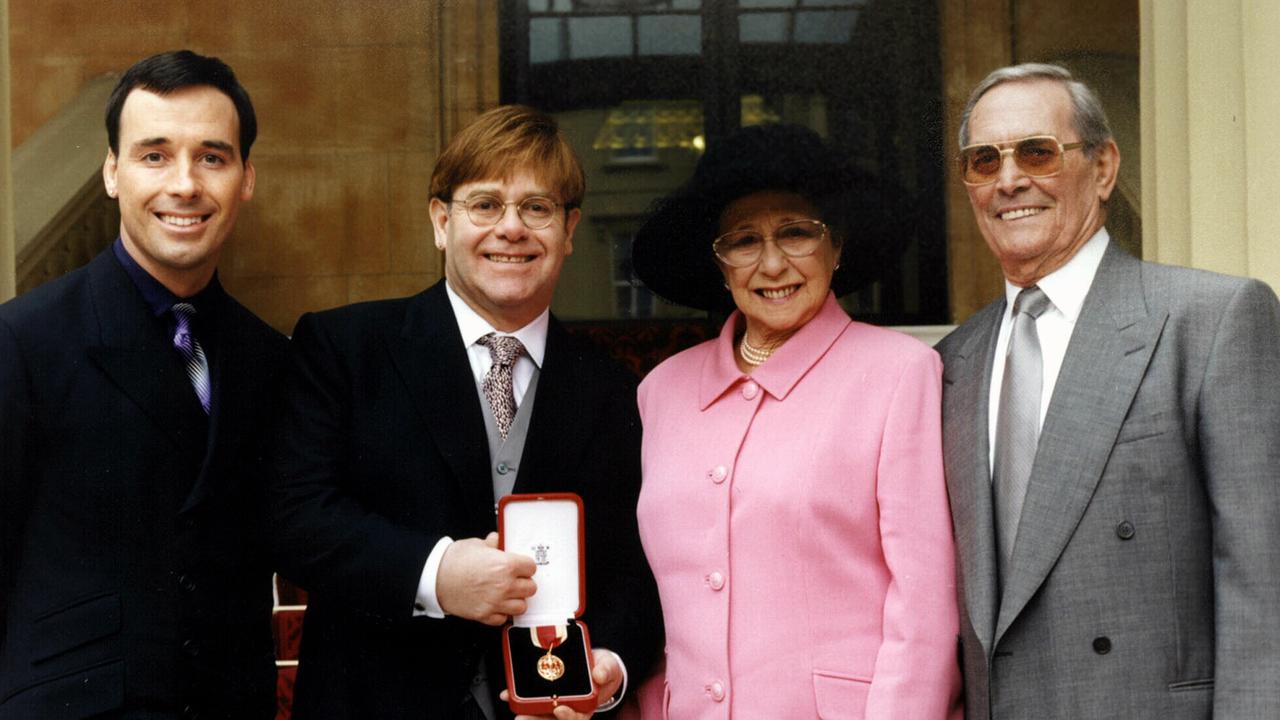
{"x": 504, "y": 349}
{"x": 1031, "y": 301}
{"x": 183, "y": 312}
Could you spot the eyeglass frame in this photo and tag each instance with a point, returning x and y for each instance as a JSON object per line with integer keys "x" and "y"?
{"x": 1013, "y": 145}
{"x": 770, "y": 237}
{"x": 466, "y": 206}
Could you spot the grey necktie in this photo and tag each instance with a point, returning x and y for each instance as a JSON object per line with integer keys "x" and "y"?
{"x": 1018, "y": 424}
{"x": 497, "y": 386}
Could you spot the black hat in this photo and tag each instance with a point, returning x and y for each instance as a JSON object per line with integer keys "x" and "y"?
{"x": 672, "y": 255}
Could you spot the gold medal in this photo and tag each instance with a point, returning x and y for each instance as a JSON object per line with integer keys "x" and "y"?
{"x": 550, "y": 667}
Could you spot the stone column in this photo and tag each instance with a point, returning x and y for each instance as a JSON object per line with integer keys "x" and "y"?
{"x": 1210, "y": 119}
{"x": 7, "y": 250}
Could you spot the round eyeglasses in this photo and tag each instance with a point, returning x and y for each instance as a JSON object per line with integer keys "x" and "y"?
{"x": 1036, "y": 156}
{"x": 743, "y": 248}
{"x": 485, "y": 210}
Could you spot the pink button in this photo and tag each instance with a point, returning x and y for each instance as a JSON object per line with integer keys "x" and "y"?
{"x": 717, "y": 690}
{"x": 750, "y": 390}
{"x": 715, "y": 580}
{"x": 717, "y": 474}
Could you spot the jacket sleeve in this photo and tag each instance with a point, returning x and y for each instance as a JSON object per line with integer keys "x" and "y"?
{"x": 624, "y": 612}
{"x": 15, "y": 414}
{"x": 1239, "y": 429}
{"x": 323, "y": 538}
{"x": 916, "y": 672}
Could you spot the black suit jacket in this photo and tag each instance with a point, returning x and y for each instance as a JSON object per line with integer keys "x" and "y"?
{"x": 131, "y": 568}
{"x": 382, "y": 451}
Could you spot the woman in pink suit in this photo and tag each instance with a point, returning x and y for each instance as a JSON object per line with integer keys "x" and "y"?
{"x": 793, "y": 508}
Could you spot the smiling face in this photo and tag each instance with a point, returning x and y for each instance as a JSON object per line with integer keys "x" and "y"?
{"x": 1035, "y": 225}
{"x": 778, "y": 294}
{"x": 505, "y": 272}
{"x": 180, "y": 180}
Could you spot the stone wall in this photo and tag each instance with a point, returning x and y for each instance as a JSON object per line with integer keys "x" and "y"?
{"x": 354, "y": 101}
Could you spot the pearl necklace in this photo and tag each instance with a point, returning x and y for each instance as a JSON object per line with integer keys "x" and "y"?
{"x": 753, "y": 355}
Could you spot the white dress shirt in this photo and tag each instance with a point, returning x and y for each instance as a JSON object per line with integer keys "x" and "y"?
{"x": 1066, "y": 289}
{"x": 473, "y": 327}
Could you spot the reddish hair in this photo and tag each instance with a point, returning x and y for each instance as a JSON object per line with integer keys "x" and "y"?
{"x": 507, "y": 139}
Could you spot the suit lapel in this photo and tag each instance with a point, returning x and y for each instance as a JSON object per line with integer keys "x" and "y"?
{"x": 562, "y": 417}
{"x": 138, "y": 358}
{"x": 967, "y": 378}
{"x": 239, "y": 358}
{"x": 1104, "y": 365}
{"x": 428, "y": 354}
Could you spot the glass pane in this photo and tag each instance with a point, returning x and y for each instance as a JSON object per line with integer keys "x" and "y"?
{"x": 562, "y": 6}
{"x": 766, "y": 3}
{"x": 544, "y": 40}
{"x": 825, "y": 26}
{"x": 621, "y": 242}
{"x": 762, "y": 28}
{"x": 686, "y": 4}
{"x": 670, "y": 35}
{"x": 594, "y": 37}
{"x": 539, "y": 6}
{"x": 832, "y": 3}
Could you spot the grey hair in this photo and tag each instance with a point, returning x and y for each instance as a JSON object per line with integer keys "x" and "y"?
{"x": 1088, "y": 116}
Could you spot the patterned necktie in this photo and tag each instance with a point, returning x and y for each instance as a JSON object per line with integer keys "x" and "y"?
{"x": 1018, "y": 424}
{"x": 187, "y": 345}
{"x": 498, "y": 387}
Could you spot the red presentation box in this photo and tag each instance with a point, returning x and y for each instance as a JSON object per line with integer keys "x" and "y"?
{"x": 547, "y": 650}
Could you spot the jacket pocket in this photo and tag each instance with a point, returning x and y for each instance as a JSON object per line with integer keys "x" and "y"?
{"x": 838, "y": 696}
{"x": 81, "y": 694}
{"x": 75, "y": 625}
{"x": 1191, "y": 685}
{"x": 1141, "y": 428}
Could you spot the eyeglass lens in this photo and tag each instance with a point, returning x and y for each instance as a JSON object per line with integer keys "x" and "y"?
{"x": 744, "y": 247}
{"x": 1035, "y": 156}
{"x": 535, "y": 212}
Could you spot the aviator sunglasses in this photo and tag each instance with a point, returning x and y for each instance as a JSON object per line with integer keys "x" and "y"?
{"x": 1036, "y": 156}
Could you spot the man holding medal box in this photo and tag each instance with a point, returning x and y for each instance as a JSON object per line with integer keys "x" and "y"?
{"x": 405, "y": 420}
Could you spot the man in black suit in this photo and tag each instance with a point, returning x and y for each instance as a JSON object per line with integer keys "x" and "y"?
{"x": 394, "y": 446}
{"x": 132, "y": 583}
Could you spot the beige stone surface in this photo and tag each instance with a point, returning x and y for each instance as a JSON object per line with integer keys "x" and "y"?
{"x": 411, "y": 238}
{"x": 378, "y": 287}
{"x": 315, "y": 215}
{"x": 375, "y": 98}
{"x": 281, "y": 301}
{"x": 8, "y": 281}
{"x": 307, "y": 25}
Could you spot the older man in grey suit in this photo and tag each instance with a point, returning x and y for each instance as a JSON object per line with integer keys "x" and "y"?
{"x": 1112, "y": 443}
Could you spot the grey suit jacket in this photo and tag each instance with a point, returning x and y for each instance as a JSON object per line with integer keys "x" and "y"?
{"x": 1146, "y": 572}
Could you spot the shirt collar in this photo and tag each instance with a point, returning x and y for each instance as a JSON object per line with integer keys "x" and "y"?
{"x": 1067, "y": 286}
{"x": 473, "y": 327}
{"x": 780, "y": 373}
{"x": 158, "y": 297}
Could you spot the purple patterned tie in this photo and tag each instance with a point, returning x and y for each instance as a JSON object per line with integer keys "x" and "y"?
{"x": 189, "y": 347}
{"x": 498, "y": 387}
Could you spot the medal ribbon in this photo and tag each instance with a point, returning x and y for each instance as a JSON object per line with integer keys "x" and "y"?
{"x": 548, "y": 637}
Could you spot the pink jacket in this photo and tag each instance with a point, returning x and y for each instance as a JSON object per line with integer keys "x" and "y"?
{"x": 797, "y": 523}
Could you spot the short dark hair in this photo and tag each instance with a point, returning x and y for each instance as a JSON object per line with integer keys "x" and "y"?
{"x": 175, "y": 70}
